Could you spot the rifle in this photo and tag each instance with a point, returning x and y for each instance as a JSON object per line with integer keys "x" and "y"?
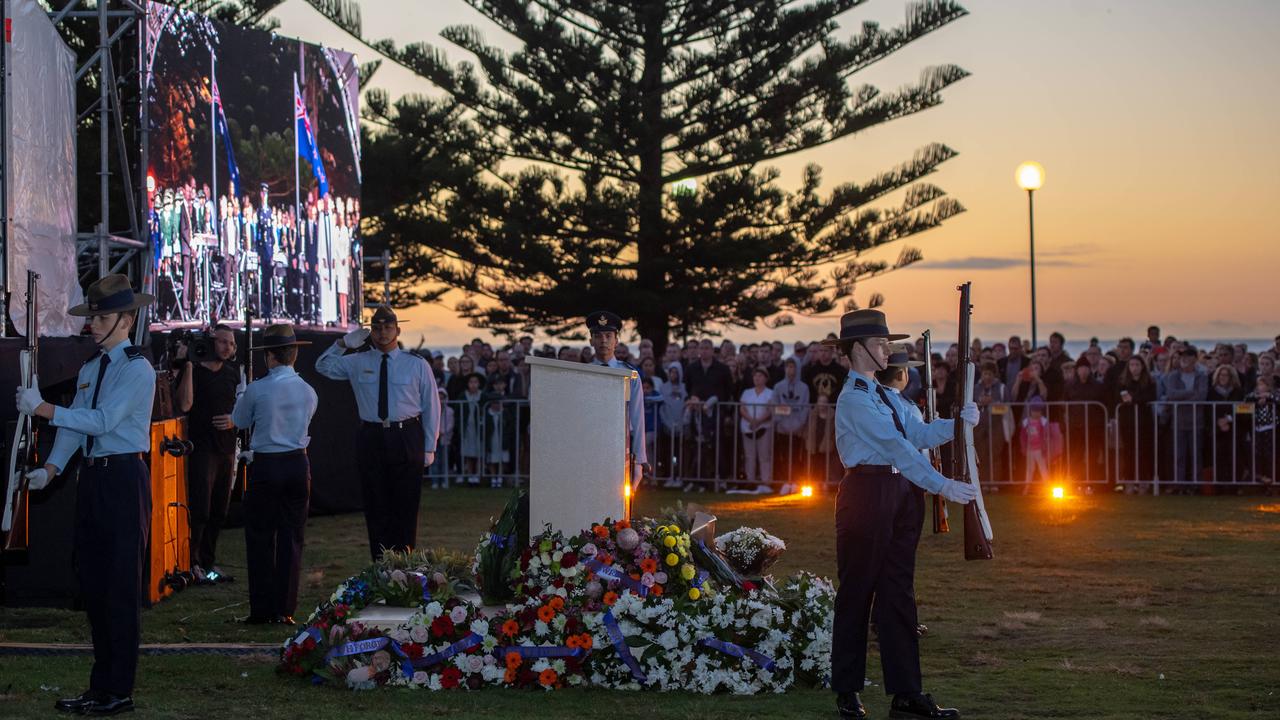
{"x": 940, "y": 515}
{"x": 964, "y": 462}
{"x": 22, "y": 450}
{"x": 246, "y": 374}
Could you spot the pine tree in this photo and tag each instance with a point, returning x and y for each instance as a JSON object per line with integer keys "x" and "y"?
{"x": 606, "y": 108}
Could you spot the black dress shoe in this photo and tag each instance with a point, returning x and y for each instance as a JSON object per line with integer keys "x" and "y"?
{"x": 920, "y": 705}
{"x": 75, "y": 704}
{"x": 108, "y": 705}
{"x": 850, "y": 706}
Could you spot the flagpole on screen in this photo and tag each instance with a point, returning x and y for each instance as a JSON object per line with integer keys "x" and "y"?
{"x": 213, "y": 140}
{"x": 297, "y": 203}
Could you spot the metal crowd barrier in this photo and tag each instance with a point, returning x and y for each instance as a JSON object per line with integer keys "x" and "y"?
{"x": 1164, "y": 445}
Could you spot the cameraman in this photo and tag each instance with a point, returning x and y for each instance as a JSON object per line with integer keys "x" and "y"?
{"x": 206, "y": 393}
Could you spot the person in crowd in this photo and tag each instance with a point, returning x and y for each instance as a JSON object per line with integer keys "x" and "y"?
{"x": 1086, "y": 426}
{"x": 1184, "y": 386}
{"x": 791, "y": 413}
{"x": 109, "y": 422}
{"x": 755, "y": 419}
{"x": 824, "y": 375}
{"x": 1225, "y": 392}
{"x": 1266, "y": 367}
{"x": 989, "y": 437}
{"x": 206, "y": 393}
{"x": 623, "y": 353}
{"x": 879, "y": 515}
{"x": 604, "y": 327}
{"x": 1153, "y": 335}
{"x": 1263, "y": 438}
{"x": 709, "y": 382}
{"x": 279, "y": 408}
{"x": 823, "y": 462}
{"x": 471, "y": 427}
{"x": 671, "y": 423}
{"x": 1123, "y": 351}
{"x": 499, "y": 430}
{"x": 1033, "y": 440}
{"x": 400, "y": 423}
{"x": 652, "y": 405}
{"x": 442, "y": 467}
{"x": 741, "y": 370}
{"x": 457, "y": 384}
{"x": 1134, "y": 392}
{"x": 649, "y": 369}
{"x": 775, "y": 363}
{"x": 1029, "y": 384}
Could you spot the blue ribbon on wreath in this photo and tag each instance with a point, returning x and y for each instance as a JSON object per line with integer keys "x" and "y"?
{"x": 360, "y": 647}
{"x": 620, "y": 644}
{"x": 609, "y": 572}
{"x": 466, "y": 643}
{"x": 552, "y": 651}
{"x": 422, "y": 579}
{"x": 737, "y": 651}
{"x": 501, "y": 541}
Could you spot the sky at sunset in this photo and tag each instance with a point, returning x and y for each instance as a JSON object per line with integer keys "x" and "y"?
{"x": 1156, "y": 123}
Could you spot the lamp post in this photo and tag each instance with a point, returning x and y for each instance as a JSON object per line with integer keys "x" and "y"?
{"x": 1030, "y": 177}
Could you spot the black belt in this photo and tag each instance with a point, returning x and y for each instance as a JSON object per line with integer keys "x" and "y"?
{"x": 873, "y": 470}
{"x": 107, "y": 460}
{"x": 286, "y": 453}
{"x": 397, "y": 424}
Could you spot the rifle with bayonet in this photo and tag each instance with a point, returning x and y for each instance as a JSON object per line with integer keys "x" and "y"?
{"x": 964, "y": 460}
{"x": 22, "y": 449}
{"x": 940, "y": 516}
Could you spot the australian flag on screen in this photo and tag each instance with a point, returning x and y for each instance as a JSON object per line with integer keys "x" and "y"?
{"x": 307, "y": 142}
{"x": 225, "y": 133}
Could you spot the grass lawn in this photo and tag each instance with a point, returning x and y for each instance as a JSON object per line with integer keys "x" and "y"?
{"x": 1095, "y": 607}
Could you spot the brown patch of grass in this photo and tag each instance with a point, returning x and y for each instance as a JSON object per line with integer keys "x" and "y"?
{"x": 1094, "y": 623}
{"x": 1139, "y": 601}
{"x": 982, "y": 659}
{"x": 1155, "y": 621}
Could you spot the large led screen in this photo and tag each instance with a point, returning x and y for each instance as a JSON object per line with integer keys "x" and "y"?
{"x": 253, "y": 175}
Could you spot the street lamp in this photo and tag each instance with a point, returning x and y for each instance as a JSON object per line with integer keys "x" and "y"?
{"x": 1030, "y": 177}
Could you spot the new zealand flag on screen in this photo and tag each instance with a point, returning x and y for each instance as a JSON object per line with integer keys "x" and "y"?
{"x": 307, "y": 142}
{"x": 225, "y": 133}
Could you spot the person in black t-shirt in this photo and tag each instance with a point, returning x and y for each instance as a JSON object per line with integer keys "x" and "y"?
{"x": 207, "y": 393}
{"x": 823, "y": 374}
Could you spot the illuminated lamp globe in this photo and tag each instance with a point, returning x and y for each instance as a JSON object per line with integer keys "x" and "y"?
{"x": 1030, "y": 175}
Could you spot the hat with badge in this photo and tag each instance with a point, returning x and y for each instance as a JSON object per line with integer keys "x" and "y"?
{"x": 861, "y": 324}
{"x": 900, "y": 356}
{"x": 603, "y": 321}
{"x": 384, "y": 314}
{"x": 278, "y": 336}
{"x": 110, "y": 294}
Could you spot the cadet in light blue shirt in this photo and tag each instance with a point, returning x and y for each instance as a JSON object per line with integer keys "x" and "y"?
{"x": 279, "y": 407}
{"x": 400, "y": 409}
{"x": 604, "y": 327}
{"x": 110, "y": 421}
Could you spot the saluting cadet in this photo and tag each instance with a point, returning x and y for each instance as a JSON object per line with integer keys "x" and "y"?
{"x": 400, "y": 422}
{"x": 879, "y": 514}
{"x": 110, "y": 422}
{"x": 604, "y": 327}
{"x": 279, "y": 407}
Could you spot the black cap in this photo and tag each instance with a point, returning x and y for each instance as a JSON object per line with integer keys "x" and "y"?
{"x": 603, "y": 320}
{"x": 385, "y": 314}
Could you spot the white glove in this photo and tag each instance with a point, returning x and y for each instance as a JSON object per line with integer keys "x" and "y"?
{"x": 970, "y": 413}
{"x": 29, "y": 399}
{"x": 246, "y": 456}
{"x": 429, "y": 457}
{"x": 38, "y": 479}
{"x": 355, "y": 338}
{"x": 959, "y": 492}
{"x": 240, "y": 388}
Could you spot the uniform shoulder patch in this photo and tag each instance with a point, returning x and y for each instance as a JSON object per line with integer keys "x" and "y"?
{"x": 133, "y": 352}
{"x": 860, "y": 384}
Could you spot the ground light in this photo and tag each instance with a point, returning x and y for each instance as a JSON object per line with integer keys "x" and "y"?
{"x": 806, "y": 491}
{"x": 1059, "y": 493}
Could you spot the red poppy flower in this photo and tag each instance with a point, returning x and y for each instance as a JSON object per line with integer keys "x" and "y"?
{"x": 649, "y": 565}
{"x": 547, "y": 678}
{"x": 450, "y": 677}
{"x": 568, "y": 560}
{"x": 442, "y": 626}
{"x": 546, "y": 613}
{"x": 510, "y": 628}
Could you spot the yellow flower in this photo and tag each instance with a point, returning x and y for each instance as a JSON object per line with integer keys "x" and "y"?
{"x": 694, "y": 593}
{"x": 687, "y": 572}
{"x": 669, "y": 541}
{"x": 673, "y": 559}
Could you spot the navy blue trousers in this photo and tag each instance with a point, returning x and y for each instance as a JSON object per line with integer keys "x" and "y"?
{"x": 878, "y": 522}
{"x": 113, "y": 519}
{"x": 275, "y": 518}
{"x": 391, "y": 469}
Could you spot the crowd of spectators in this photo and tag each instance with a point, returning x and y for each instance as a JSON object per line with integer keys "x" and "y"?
{"x": 759, "y": 417}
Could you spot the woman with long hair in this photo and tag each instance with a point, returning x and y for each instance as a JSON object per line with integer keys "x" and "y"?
{"x": 1228, "y": 440}
{"x": 1135, "y": 390}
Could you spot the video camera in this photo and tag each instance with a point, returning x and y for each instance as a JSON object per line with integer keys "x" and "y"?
{"x": 199, "y": 344}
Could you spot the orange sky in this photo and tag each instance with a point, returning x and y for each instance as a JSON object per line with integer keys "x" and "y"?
{"x": 1156, "y": 123}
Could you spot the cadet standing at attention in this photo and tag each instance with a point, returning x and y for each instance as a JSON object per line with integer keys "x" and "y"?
{"x": 279, "y": 408}
{"x": 110, "y": 421}
{"x": 400, "y": 422}
{"x": 879, "y": 514}
{"x": 604, "y": 327}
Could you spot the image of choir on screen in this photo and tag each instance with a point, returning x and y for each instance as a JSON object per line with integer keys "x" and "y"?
{"x": 213, "y": 257}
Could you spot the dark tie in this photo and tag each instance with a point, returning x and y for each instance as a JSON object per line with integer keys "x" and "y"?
{"x": 102, "y": 371}
{"x": 382, "y": 388}
{"x": 897, "y": 422}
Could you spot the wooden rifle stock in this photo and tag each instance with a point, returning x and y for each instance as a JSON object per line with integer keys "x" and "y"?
{"x": 964, "y": 465}
{"x": 22, "y": 448}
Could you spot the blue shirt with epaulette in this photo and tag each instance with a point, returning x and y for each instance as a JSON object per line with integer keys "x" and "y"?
{"x": 121, "y": 421}
{"x": 635, "y": 408}
{"x": 411, "y": 386}
{"x": 867, "y": 435}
